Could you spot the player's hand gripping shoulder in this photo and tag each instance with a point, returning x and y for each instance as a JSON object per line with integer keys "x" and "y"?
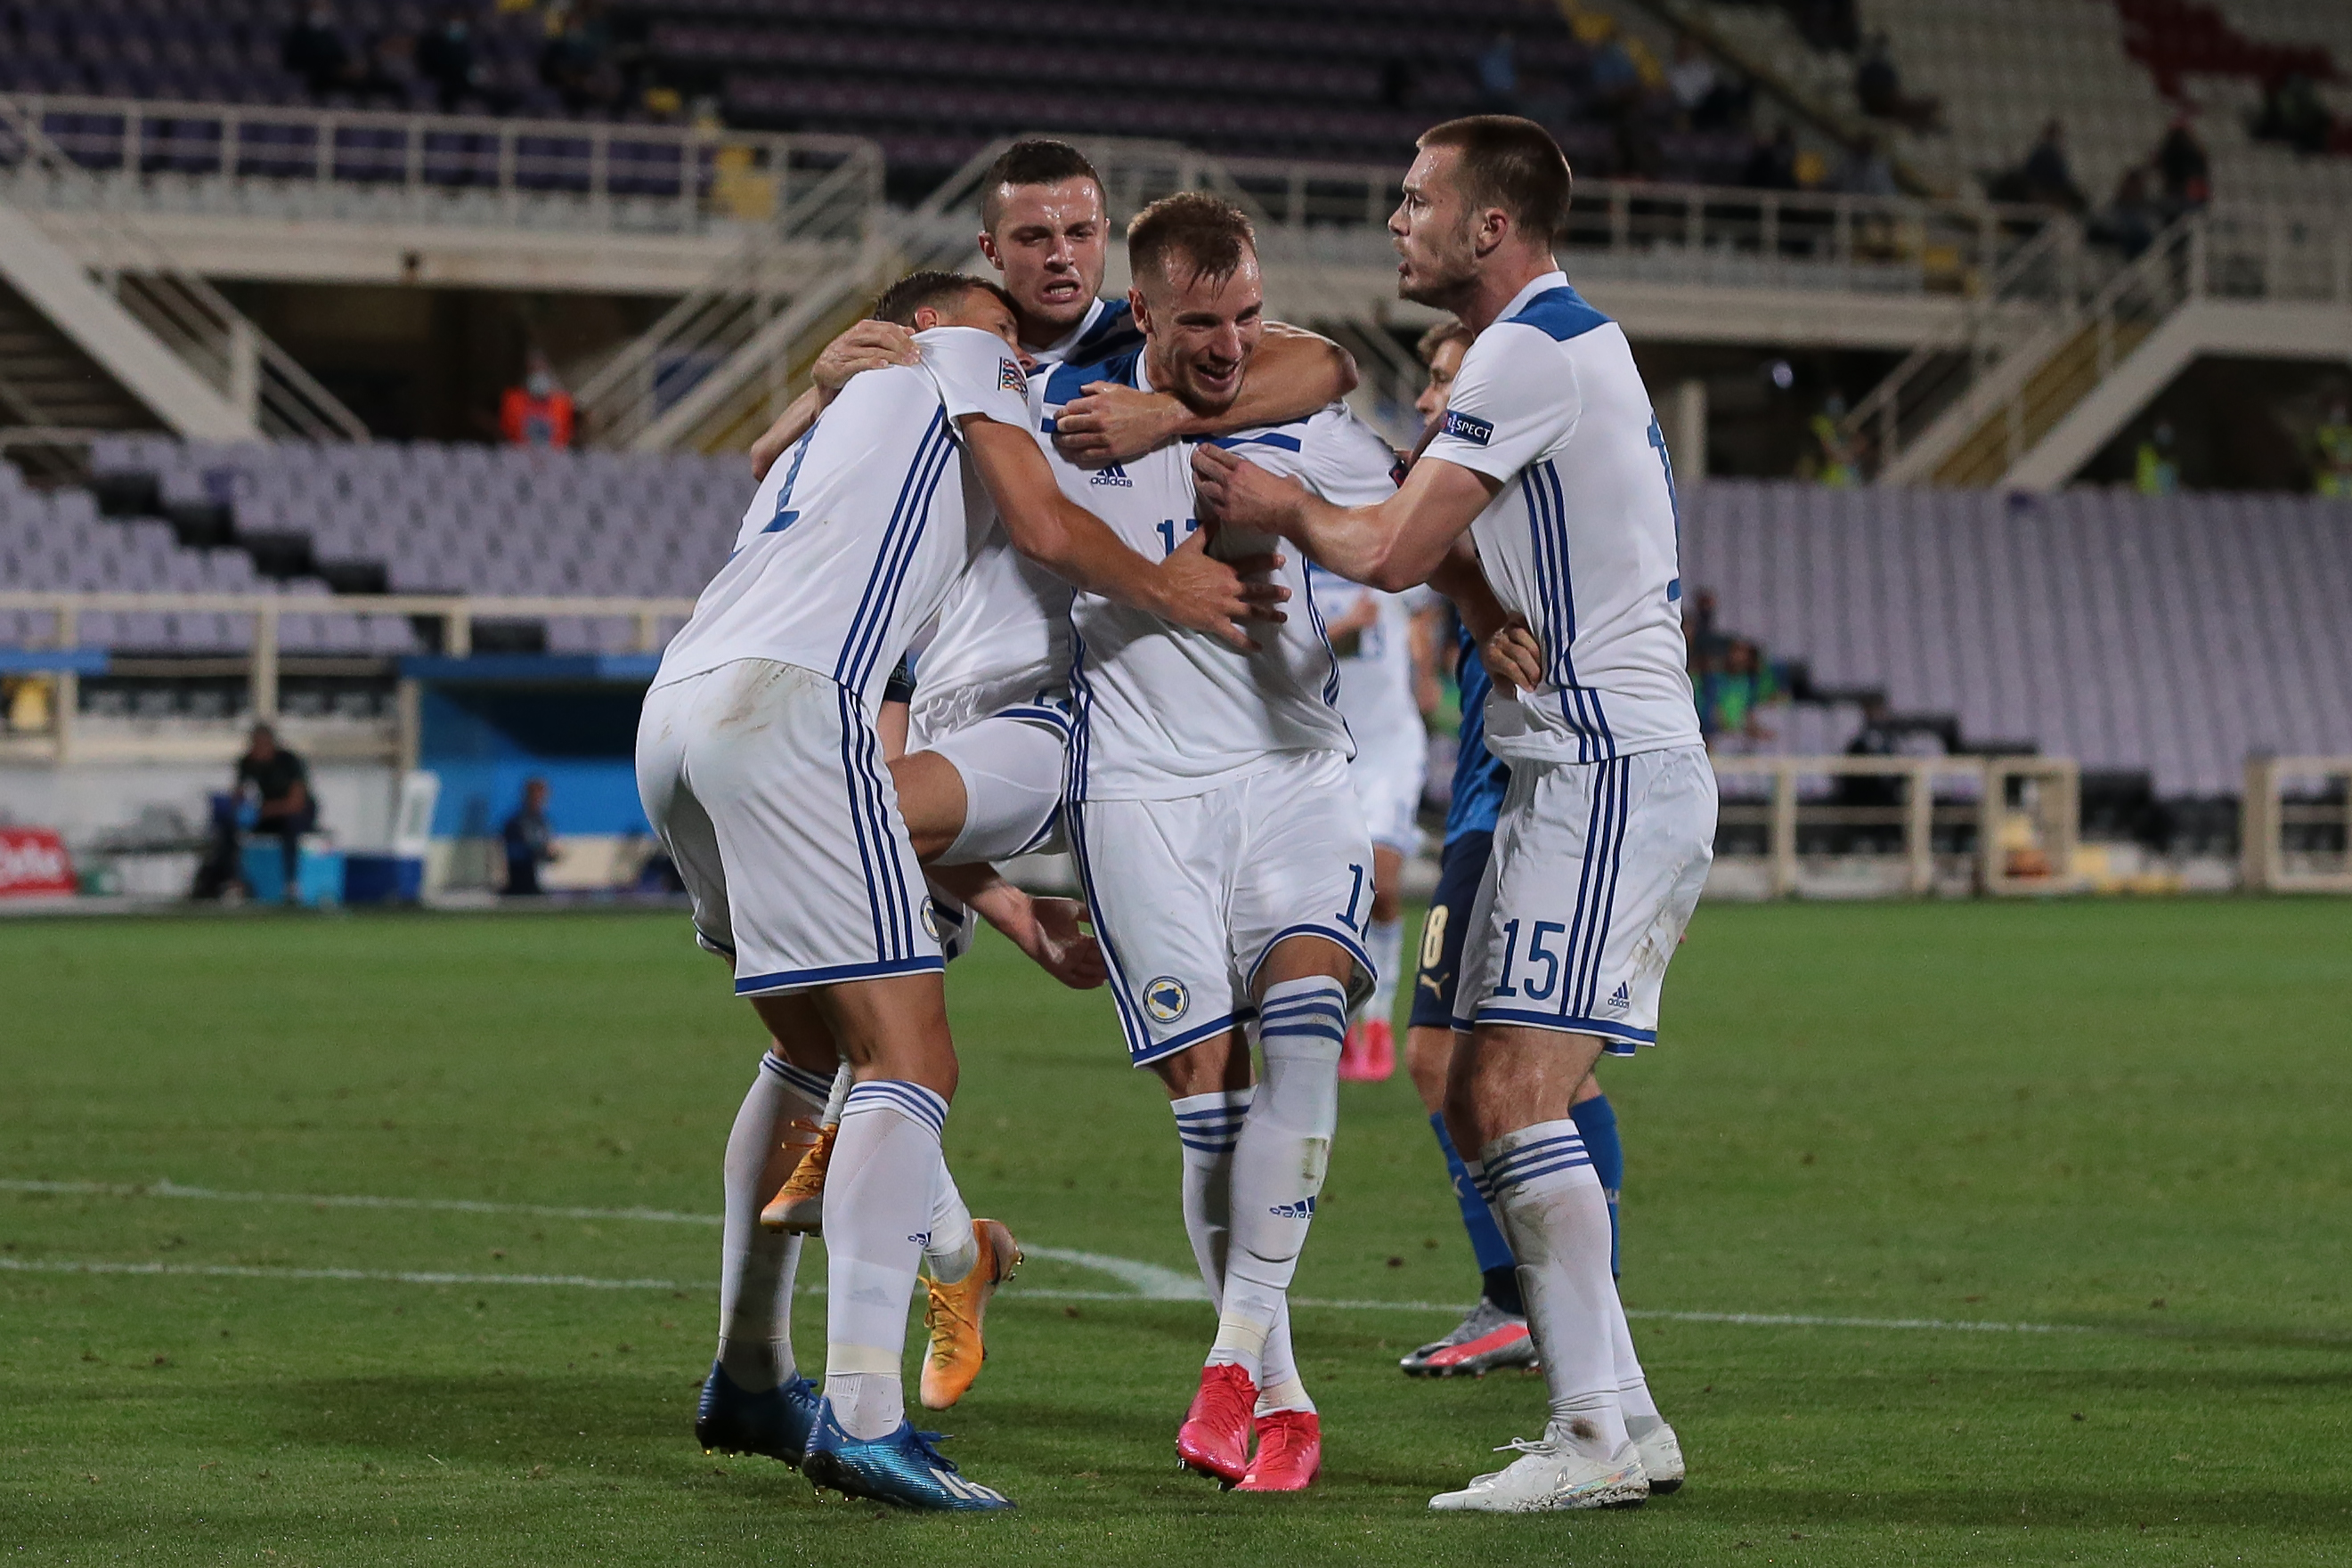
{"x": 1189, "y": 588}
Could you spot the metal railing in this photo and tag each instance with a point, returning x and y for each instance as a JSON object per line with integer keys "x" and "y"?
{"x": 187, "y": 314}
{"x": 126, "y": 154}
{"x": 2269, "y": 864}
{"x": 454, "y": 614}
{"x": 2037, "y": 857}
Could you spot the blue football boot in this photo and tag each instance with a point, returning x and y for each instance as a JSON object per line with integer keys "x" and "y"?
{"x": 902, "y": 1468}
{"x": 732, "y": 1420}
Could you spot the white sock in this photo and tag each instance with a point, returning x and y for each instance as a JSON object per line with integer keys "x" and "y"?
{"x": 756, "y": 1267}
{"x": 880, "y": 1192}
{"x": 1640, "y": 1411}
{"x": 837, "y": 1096}
{"x": 1557, "y": 1222}
{"x": 1207, "y": 1127}
{"x": 1384, "y": 942}
{"x": 1279, "y": 1162}
{"x": 953, "y": 1250}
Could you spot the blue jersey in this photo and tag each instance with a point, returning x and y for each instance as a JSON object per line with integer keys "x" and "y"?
{"x": 1479, "y": 776}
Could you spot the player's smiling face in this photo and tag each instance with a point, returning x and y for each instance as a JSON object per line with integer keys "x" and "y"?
{"x": 1049, "y": 243}
{"x": 1433, "y": 231}
{"x": 1199, "y": 331}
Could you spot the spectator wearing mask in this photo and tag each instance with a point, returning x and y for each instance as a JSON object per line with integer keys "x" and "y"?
{"x": 530, "y": 840}
{"x": 539, "y": 412}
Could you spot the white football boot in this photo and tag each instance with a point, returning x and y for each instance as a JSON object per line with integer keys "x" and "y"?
{"x": 1551, "y": 1476}
{"x": 1662, "y": 1458}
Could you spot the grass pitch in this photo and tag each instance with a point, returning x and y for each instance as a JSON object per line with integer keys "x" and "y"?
{"x": 2124, "y": 1123}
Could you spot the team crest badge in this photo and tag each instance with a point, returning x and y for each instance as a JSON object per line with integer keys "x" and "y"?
{"x": 1166, "y": 999}
{"x": 931, "y": 920}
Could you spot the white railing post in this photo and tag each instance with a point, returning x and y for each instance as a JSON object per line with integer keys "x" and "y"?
{"x": 263, "y": 677}
{"x": 244, "y": 369}
{"x": 1919, "y": 828}
{"x": 1782, "y": 848}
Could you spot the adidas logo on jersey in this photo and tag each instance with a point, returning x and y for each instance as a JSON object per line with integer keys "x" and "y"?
{"x": 1114, "y": 475}
{"x": 1619, "y": 1000}
{"x": 1303, "y": 1210}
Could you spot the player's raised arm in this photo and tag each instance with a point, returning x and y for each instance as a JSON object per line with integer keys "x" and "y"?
{"x": 1392, "y": 546}
{"x": 1292, "y": 373}
{"x": 1188, "y": 589}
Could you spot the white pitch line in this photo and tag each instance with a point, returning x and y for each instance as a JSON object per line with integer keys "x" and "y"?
{"x": 1148, "y": 1281}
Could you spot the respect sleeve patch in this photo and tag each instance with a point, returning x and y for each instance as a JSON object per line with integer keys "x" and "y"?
{"x": 1465, "y": 427}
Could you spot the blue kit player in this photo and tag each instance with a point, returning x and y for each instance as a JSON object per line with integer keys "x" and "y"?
{"x": 1551, "y": 467}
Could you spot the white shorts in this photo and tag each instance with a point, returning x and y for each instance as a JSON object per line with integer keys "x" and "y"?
{"x": 765, "y": 783}
{"x": 1189, "y": 895}
{"x": 1012, "y": 763}
{"x": 1596, "y": 869}
{"x": 1388, "y": 775}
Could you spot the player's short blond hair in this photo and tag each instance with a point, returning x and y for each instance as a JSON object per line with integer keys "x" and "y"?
{"x": 1205, "y": 236}
{"x": 1438, "y": 336}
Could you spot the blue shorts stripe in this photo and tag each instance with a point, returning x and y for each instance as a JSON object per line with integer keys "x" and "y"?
{"x": 836, "y": 973}
{"x": 1344, "y": 938}
{"x": 1153, "y": 1052}
{"x": 1605, "y": 1028}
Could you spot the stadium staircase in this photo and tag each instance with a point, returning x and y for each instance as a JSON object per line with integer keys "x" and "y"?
{"x": 156, "y": 346}
{"x": 2069, "y": 347}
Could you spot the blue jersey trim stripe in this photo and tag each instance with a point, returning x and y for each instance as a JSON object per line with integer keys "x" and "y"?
{"x": 876, "y": 608}
{"x": 1263, "y": 438}
{"x": 1559, "y": 314}
{"x": 834, "y": 974}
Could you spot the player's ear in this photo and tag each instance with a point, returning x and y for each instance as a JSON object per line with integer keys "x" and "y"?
{"x": 1142, "y": 308}
{"x": 925, "y": 318}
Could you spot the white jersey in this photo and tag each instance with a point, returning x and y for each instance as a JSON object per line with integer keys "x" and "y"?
{"x": 858, "y": 532}
{"x": 1581, "y": 539}
{"x": 1376, "y": 666}
{"x": 1163, "y": 712}
{"x": 1005, "y": 633}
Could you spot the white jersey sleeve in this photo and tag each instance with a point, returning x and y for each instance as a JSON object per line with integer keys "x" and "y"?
{"x": 977, "y": 373}
{"x": 1496, "y": 422}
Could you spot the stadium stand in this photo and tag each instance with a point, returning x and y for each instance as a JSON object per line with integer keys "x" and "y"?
{"x": 2174, "y": 635}
{"x": 934, "y": 82}
{"x": 361, "y": 53}
{"x": 57, "y": 540}
{"x": 2117, "y": 72}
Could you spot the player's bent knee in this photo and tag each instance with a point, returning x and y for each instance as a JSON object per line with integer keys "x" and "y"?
{"x": 931, "y": 799}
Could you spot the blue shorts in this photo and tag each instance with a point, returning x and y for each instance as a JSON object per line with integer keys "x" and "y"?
{"x": 1459, "y": 873}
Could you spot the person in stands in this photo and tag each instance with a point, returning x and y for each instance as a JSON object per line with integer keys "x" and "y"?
{"x": 538, "y": 411}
